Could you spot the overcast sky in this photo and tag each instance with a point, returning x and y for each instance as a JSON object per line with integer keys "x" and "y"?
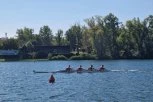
{"x": 61, "y": 14}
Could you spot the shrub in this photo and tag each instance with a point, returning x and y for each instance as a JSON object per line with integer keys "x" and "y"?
{"x": 84, "y": 57}
{"x": 76, "y": 58}
{"x": 58, "y": 57}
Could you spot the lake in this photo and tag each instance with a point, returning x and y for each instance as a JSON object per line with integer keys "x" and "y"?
{"x": 127, "y": 81}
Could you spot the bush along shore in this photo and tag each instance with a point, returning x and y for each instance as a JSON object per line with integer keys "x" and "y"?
{"x": 74, "y": 57}
{"x": 57, "y": 57}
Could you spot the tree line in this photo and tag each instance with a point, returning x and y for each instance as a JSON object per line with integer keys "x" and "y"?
{"x": 104, "y": 36}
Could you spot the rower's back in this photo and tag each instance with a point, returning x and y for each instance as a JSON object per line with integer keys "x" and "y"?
{"x": 91, "y": 68}
{"x": 69, "y": 69}
{"x": 52, "y": 79}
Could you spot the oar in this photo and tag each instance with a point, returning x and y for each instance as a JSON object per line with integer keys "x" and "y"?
{"x": 41, "y": 72}
{"x": 60, "y": 71}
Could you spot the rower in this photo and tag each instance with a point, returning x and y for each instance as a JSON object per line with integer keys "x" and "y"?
{"x": 79, "y": 69}
{"x": 91, "y": 68}
{"x": 69, "y": 69}
{"x": 102, "y": 68}
{"x": 51, "y": 79}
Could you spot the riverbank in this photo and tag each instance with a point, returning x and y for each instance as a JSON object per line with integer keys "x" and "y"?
{"x": 35, "y": 60}
{"x": 58, "y": 57}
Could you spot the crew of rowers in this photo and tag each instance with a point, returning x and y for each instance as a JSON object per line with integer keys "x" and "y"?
{"x": 90, "y": 69}
{"x": 79, "y": 70}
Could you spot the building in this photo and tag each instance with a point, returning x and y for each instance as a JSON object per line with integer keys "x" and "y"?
{"x": 60, "y": 50}
{"x": 9, "y": 54}
{"x": 43, "y": 51}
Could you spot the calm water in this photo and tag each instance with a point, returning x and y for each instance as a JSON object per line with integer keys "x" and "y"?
{"x": 128, "y": 81}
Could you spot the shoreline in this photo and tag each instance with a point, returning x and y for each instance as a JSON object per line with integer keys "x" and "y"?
{"x": 37, "y": 60}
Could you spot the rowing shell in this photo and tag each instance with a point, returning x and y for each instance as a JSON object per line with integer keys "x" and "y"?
{"x": 72, "y": 71}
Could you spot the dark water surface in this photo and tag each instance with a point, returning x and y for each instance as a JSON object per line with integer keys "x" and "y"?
{"x": 127, "y": 81}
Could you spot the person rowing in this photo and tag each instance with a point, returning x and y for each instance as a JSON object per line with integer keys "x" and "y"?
{"x": 91, "y": 68}
{"x": 102, "y": 69}
{"x": 80, "y": 69}
{"x": 51, "y": 79}
{"x": 68, "y": 69}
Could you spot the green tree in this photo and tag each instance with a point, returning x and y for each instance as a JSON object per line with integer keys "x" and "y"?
{"x": 97, "y": 35}
{"x": 112, "y": 26}
{"x": 74, "y": 36}
{"x": 101, "y": 39}
{"x": 59, "y": 37}
{"x": 37, "y": 40}
{"x": 125, "y": 43}
{"x": 92, "y": 28}
{"x": 86, "y": 40}
{"x": 10, "y": 44}
{"x": 104, "y": 32}
{"x": 46, "y": 36}
{"x": 1, "y": 44}
{"x": 148, "y": 30}
{"x": 136, "y": 29}
{"x": 24, "y": 35}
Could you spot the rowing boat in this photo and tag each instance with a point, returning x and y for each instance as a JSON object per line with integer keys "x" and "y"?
{"x": 72, "y": 71}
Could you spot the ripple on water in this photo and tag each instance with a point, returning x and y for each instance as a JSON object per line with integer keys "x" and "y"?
{"x": 130, "y": 83}
{"x": 3, "y": 94}
{"x": 57, "y": 96}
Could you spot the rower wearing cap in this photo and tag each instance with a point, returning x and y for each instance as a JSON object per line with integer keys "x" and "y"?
{"x": 80, "y": 69}
{"x": 69, "y": 69}
{"x": 101, "y": 69}
{"x": 91, "y": 68}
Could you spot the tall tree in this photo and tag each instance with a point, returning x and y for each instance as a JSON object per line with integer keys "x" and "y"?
{"x": 136, "y": 28}
{"x": 148, "y": 29}
{"x": 46, "y": 35}
{"x": 104, "y": 32}
{"x": 125, "y": 43}
{"x": 24, "y": 35}
{"x": 101, "y": 38}
{"x": 112, "y": 27}
{"x": 59, "y": 37}
{"x": 92, "y": 28}
{"x": 1, "y": 44}
{"x": 74, "y": 36}
{"x": 10, "y": 44}
{"x": 86, "y": 40}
